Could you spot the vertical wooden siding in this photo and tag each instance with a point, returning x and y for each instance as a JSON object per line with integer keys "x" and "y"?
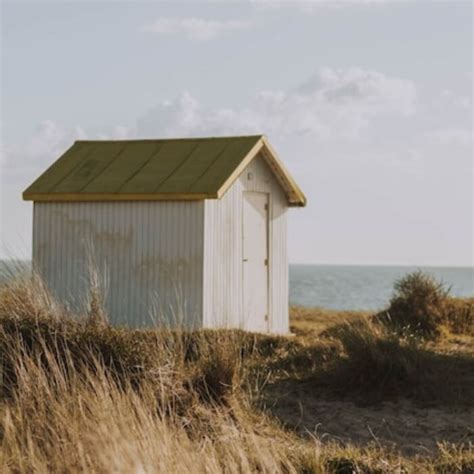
{"x": 222, "y": 299}
{"x": 149, "y": 253}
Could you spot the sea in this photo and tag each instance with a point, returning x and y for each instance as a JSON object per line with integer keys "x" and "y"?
{"x": 342, "y": 287}
{"x": 357, "y": 287}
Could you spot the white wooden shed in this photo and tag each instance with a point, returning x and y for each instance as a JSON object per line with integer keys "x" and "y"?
{"x": 184, "y": 231}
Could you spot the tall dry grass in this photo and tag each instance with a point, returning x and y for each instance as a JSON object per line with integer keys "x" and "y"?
{"x": 78, "y": 395}
{"x": 56, "y": 422}
{"x": 82, "y": 396}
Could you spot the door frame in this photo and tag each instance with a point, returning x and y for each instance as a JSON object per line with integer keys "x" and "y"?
{"x": 267, "y": 242}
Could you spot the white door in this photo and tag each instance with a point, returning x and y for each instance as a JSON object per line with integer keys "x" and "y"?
{"x": 255, "y": 261}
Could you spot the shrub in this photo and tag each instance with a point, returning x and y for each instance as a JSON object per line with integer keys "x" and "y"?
{"x": 418, "y": 305}
{"x": 375, "y": 361}
{"x": 459, "y": 315}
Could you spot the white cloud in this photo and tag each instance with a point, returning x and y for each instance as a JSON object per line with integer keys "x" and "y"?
{"x": 454, "y": 136}
{"x": 332, "y": 104}
{"x": 312, "y": 5}
{"x": 448, "y": 98}
{"x": 24, "y": 161}
{"x": 49, "y": 140}
{"x": 195, "y": 28}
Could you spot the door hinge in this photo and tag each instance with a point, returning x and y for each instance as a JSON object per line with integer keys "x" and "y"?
{"x": 266, "y": 317}
{"x": 266, "y": 262}
{"x": 266, "y": 207}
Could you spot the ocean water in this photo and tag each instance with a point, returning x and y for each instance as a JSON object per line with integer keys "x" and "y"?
{"x": 341, "y": 287}
{"x": 364, "y": 287}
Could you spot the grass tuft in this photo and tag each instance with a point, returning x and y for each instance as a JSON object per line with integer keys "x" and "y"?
{"x": 374, "y": 358}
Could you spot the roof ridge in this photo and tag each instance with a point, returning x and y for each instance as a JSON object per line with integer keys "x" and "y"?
{"x": 131, "y": 140}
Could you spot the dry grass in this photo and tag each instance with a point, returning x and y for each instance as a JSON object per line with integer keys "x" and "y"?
{"x": 80, "y": 396}
{"x": 364, "y": 361}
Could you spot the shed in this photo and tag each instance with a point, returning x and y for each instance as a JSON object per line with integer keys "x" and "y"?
{"x": 188, "y": 232}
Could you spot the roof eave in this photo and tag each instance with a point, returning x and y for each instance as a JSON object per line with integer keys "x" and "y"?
{"x": 101, "y": 197}
{"x": 298, "y": 198}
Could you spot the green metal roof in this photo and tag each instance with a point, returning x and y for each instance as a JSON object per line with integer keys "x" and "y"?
{"x": 190, "y": 168}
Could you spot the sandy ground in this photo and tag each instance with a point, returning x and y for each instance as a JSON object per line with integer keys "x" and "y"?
{"x": 409, "y": 428}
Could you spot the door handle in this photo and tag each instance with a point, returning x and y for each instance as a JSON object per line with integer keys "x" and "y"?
{"x": 245, "y": 260}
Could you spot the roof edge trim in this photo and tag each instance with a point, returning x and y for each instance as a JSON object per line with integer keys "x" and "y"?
{"x": 298, "y": 198}
{"x": 97, "y": 197}
{"x": 295, "y": 196}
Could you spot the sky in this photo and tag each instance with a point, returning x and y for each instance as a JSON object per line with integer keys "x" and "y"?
{"x": 368, "y": 102}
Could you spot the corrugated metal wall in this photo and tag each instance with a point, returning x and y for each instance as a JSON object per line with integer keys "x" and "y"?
{"x": 223, "y": 298}
{"x": 150, "y": 253}
{"x": 179, "y": 262}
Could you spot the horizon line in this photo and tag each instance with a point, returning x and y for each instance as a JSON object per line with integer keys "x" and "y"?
{"x": 321, "y": 264}
{"x": 416, "y": 265}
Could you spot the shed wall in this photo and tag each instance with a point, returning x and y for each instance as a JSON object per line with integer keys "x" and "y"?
{"x": 222, "y": 299}
{"x": 150, "y": 255}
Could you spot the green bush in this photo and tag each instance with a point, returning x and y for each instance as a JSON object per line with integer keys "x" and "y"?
{"x": 418, "y": 305}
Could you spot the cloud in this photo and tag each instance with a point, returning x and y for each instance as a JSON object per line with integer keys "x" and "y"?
{"x": 332, "y": 104}
{"x": 50, "y": 139}
{"x": 448, "y": 98}
{"x": 195, "y": 28}
{"x": 24, "y": 161}
{"x": 454, "y": 136}
{"x": 333, "y": 107}
{"x": 312, "y": 5}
